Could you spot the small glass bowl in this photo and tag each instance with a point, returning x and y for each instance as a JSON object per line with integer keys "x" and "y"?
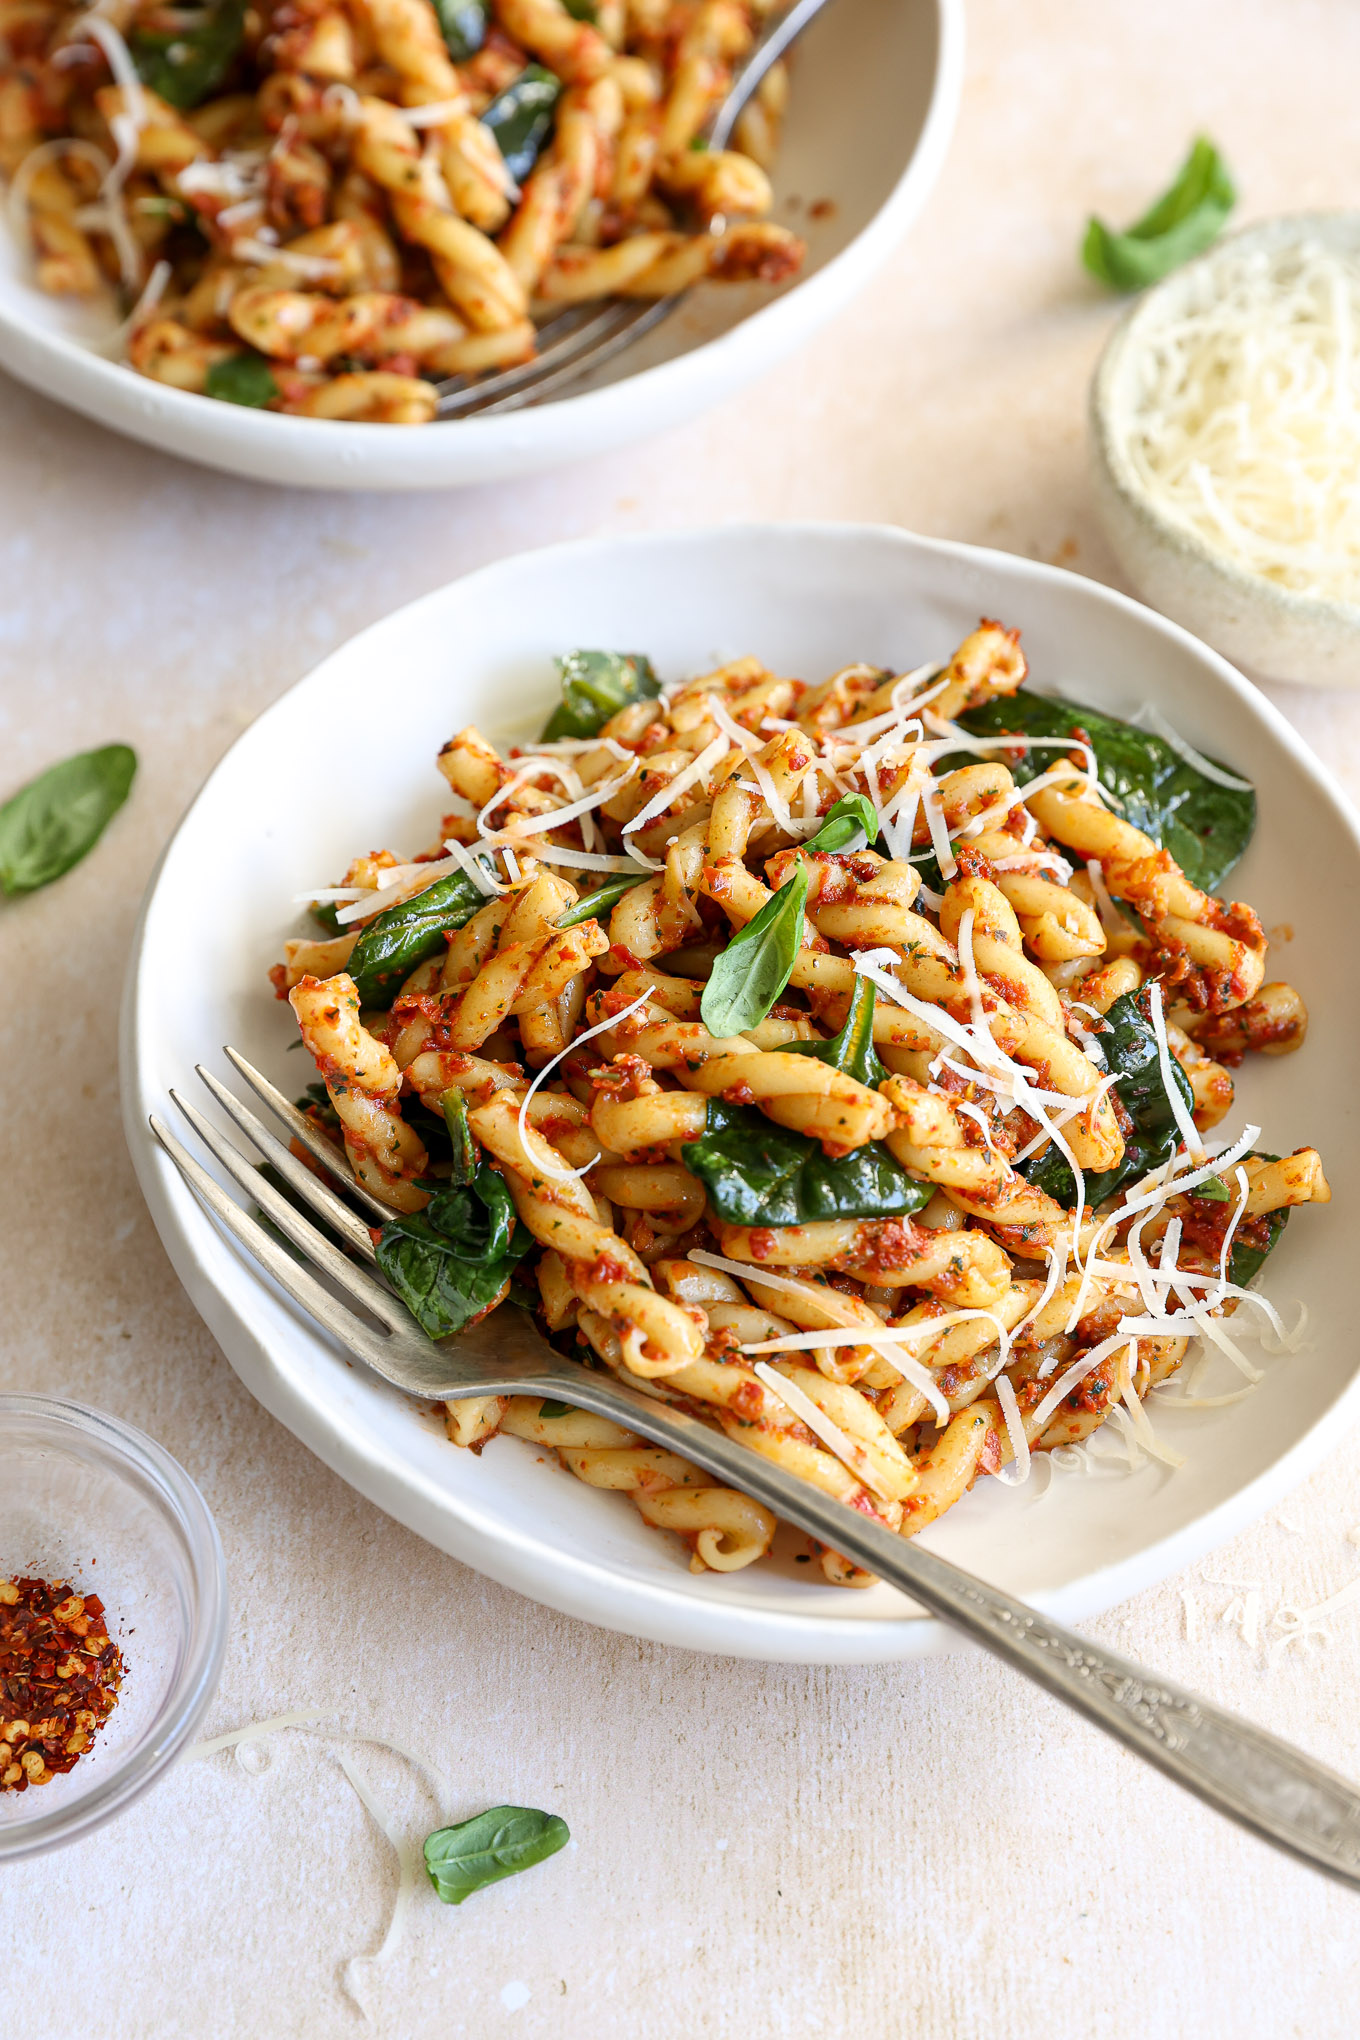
{"x": 88, "y": 1499}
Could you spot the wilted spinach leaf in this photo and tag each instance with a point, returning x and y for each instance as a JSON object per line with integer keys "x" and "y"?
{"x": 505, "y": 1839}
{"x": 596, "y": 685}
{"x": 394, "y": 942}
{"x": 1206, "y": 827}
{"x": 600, "y": 902}
{"x": 449, "y": 1263}
{"x": 463, "y": 1147}
{"x": 852, "y": 1050}
{"x": 463, "y": 25}
{"x": 757, "y": 1173}
{"x": 186, "y": 61}
{"x": 1130, "y": 1047}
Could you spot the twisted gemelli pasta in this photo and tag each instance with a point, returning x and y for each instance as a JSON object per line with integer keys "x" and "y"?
{"x": 930, "y": 1194}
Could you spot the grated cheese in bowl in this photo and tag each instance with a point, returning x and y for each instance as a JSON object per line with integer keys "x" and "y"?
{"x": 1245, "y": 418}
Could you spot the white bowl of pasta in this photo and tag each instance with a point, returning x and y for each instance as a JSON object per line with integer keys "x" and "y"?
{"x": 268, "y": 250}
{"x": 959, "y": 1227}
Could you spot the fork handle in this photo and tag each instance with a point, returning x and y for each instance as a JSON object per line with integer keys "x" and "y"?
{"x": 1255, "y": 1778}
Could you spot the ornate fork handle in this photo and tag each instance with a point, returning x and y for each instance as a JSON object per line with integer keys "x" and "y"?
{"x": 1256, "y": 1779}
{"x": 1243, "y": 1771}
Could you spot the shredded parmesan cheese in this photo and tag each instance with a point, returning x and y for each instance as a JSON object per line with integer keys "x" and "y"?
{"x": 1246, "y": 426}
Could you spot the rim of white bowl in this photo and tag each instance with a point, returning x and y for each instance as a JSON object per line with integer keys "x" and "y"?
{"x": 566, "y": 1578}
{"x": 475, "y": 449}
{"x": 1109, "y": 416}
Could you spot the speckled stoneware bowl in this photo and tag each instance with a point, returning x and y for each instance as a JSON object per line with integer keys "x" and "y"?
{"x": 1274, "y": 632}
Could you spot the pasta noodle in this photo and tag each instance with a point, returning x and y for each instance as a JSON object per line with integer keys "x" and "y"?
{"x": 326, "y": 207}
{"x": 928, "y": 1198}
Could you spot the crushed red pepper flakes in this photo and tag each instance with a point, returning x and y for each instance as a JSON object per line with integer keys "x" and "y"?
{"x": 59, "y": 1678}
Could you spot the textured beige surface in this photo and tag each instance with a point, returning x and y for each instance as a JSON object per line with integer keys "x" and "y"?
{"x": 759, "y": 1851}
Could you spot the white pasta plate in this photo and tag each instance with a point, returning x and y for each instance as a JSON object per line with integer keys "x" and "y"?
{"x": 289, "y": 804}
{"x": 873, "y": 105}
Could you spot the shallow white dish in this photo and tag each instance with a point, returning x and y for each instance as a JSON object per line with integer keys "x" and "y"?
{"x": 1278, "y": 633}
{"x": 806, "y": 598}
{"x": 875, "y": 96}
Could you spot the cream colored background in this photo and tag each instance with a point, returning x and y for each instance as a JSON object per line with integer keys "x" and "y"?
{"x": 760, "y": 1851}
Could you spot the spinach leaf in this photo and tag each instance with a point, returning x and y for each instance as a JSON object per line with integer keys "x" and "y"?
{"x": 463, "y": 25}
{"x": 1248, "y": 1259}
{"x": 600, "y": 902}
{"x": 553, "y": 1410}
{"x": 582, "y": 10}
{"x": 851, "y": 816}
{"x": 54, "y": 821}
{"x": 596, "y": 685}
{"x": 461, "y": 1141}
{"x": 757, "y": 1173}
{"x": 395, "y": 942}
{"x": 317, "y": 1099}
{"x": 1213, "y": 1191}
{"x": 185, "y": 63}
{"x": 505, "y": 1839}
{"x": 323, "y": 913}
{"x": 450, "y": 1262}
{"x": 245, "y": 379}
{"x": 521, "y": 119}
{"x": 852, "y": 1050}
{"x": 1183, "y": 222}
{"x": 1130, "y": 1047}
{"x": 749, "y": 975}
{"x": 1206, "y": 827}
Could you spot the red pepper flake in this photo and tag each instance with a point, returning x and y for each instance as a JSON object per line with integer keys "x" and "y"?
{"x": 59, "y": 1678}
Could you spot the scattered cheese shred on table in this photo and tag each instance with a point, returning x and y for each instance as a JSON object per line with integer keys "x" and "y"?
{"x": 1246, "y": 427}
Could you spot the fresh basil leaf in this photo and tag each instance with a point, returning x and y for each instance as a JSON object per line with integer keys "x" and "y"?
{"x": 757, "y": 1173}
{"x": 749, "y": 975}
{"x": 521, "y": 119}
{"x": 597, "y": 903}
{"x": 395, "y": 942}
{"x": 463, "y": 25}
{"x": 54, "y": 821}
{"x": 853, "y": 816}
{"x": 1130, "y": 1046}
{"x": 1206, "y": 827}
{"x": 461, "y": 1141}
{"x": 852, "y": 1050}
{"x": 187, "y": 61}
{"x": 450, "y": 1262}
{"x": 1183, "y": 223}
{"x": 498, "y": 1843}
{"x": 596, "y": 685}
{"x": 245, "y": 379}
{"x": 1213, "y": 1191}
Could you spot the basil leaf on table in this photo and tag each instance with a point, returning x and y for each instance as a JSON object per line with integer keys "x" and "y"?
{"x": 395, "y": 942}
{"x": 463, "y": 25}
{"x": 521, "y": 119}
{"x": 852, "y": 816}
{"x": 184, "y": 63}
{"x": 749, "y": 975}
{"x": 54, "y": 821}
{"x": 1130, "y": 1046}
{"x": 1183, "y": 223}
{"x": 464, "y": 1147}
{"x": 450, "y": 1262}
{"x": 600, "y": 902}
{"x": 1206, "y": 827}
{"x": 495, "y": 1844}
{"x": 596, "y": 685}
{"x": 852, "y": 1050}
{"x": 757, "y": 1173}
{"x": 245, "y": 379}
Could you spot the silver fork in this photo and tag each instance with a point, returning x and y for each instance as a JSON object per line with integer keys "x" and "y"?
{"x": 1255, "y": 1778}
{"x": 584, "y": 336}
